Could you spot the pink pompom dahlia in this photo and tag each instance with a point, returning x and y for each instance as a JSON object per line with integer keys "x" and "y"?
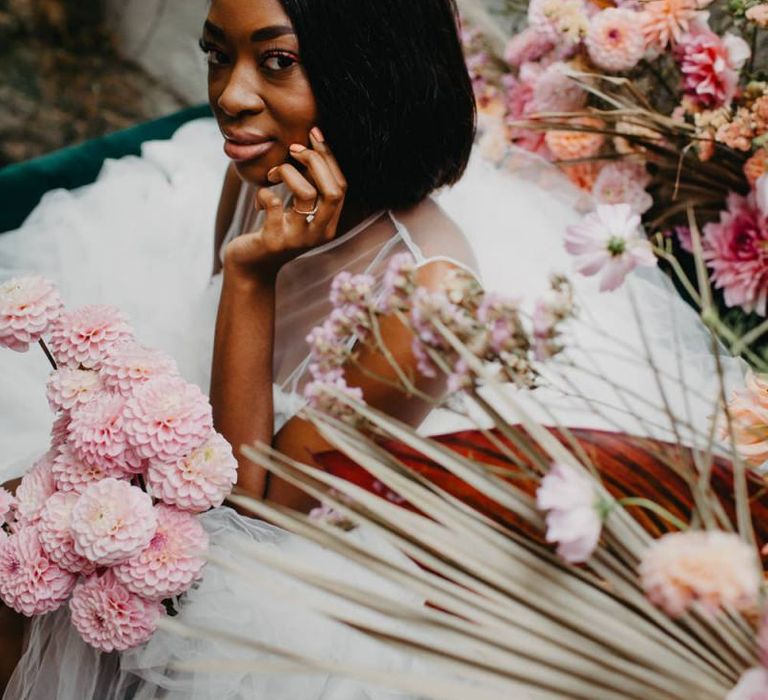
{"x": 7, "y": 506}
{"x": 60, "y": 430}
{"x": 615, "y": 40}
{"x": 713, "y": 569}
{"x": 167, "y": 418}
{"x": 29, "y": 306}
{"x": 736, "y": 250}
{"x": 96, "y": 433}
{"x": 36, "y": 487}
{"x": 171, "y": 562}
{"x": 112, "y": 521}
{"x": 56, "y": 535}
{"x": 81, "y": 338}
{"x": 30, "y": 582}
{"x": 111, "y": 618}
{"x": 68, "y": 388}
{"x": 198, "y": 481}
{"x": 129, "y": 365}
{"x": 71, "y": 473}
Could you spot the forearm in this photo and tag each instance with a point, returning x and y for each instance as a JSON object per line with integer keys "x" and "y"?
{"x": 241, "y": 378}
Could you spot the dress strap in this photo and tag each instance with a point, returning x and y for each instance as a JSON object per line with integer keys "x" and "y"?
{"x": 405, "y": 236}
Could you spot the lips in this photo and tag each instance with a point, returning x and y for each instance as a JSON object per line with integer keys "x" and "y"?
{"x": 240, "y": 146}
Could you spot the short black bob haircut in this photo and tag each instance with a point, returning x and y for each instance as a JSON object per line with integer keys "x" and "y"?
{"x": 394, "y": 97}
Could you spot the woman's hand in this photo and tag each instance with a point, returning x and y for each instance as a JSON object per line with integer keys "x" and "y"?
{"x": 286, "y": 231}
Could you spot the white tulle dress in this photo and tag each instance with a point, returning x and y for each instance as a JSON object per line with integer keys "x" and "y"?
{"x": 141, "y": 238}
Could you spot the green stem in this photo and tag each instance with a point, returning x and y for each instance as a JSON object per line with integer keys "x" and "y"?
{"x": 654, "y": 508}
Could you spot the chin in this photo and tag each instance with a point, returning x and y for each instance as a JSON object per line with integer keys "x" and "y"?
{"x": 253, "y": 172}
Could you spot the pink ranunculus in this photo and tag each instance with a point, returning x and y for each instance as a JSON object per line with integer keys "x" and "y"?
{"x": 615, "y": 40}
{"x": 129, "y": 365}
{"x": 528, "y": 45}
{"x": 112, "y": 521}
{"x": 81, "y": 338}
{"x": 710, "y": 65}
{"x": 167, "y": 418}
{"x": 715, "y": 570}
{"x": 56, "y": 534}
{"x": 97, "y": 436}
{"x": 7, "y": 506}
{"x": 171, "y": 562}
{"x": 71, "y": 473}
{"x": 30, "y": 582}
{"x": 36, "y": 486}
{"x": 199, "y": 480}
{"x": 610, "y": 241}
{"x": 753, "y": 685}
{"x": 623, "y": 183}
{"x": 111, "y": 618}
{"x": 68, "y": 388}
{"x": 573, "y": 517}
{"x": 736, "y": 250}
{"x": 29, "y": 306}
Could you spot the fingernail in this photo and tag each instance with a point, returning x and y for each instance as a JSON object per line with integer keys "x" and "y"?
{"x": 318, "y": 134}
{"x": 297, "y": 148}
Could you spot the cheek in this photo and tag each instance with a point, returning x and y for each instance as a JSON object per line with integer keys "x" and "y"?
{"x": 296, "y": 112}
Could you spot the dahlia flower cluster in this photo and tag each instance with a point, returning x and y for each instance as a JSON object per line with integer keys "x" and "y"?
{"x": 106, "y": 521}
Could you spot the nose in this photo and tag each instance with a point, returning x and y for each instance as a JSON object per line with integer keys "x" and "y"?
{"x": 242, "y": 92}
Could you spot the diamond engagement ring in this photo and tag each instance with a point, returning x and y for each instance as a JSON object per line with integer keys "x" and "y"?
{"x": 309, "y": 214}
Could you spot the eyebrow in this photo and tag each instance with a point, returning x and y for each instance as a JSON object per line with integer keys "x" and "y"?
{"x": 264, "y": 34}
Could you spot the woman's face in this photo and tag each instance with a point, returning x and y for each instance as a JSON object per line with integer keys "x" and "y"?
{"x": 257, "y": 87}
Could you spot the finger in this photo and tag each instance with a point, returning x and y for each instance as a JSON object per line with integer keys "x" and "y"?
{"x": 272, "y": 206}
{"x": 304, "y": 192}
{"x": 317, "y": 139}
{"x": 318, "y": 169}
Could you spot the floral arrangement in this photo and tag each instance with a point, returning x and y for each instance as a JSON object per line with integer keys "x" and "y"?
{"x": 106, "y": 520}
{"x": 661, "y": 105}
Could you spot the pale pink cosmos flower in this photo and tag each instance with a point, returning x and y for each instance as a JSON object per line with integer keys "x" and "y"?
{"x": 36, "y": 486}
{"x": 128, "y": 365}
{"x": 29, "y": 306}
{"x": 529, "y": 45}
{"x": 109, "y": 617}
{"x": 7, "y": 506}
{"x": 167, "y": 418}
{"x": 753, "y": 685}
{"x": 623, "y": 183}
{"x": 609, "y": 240}
{"x": 171, "y": 562}
{"x": 72, "y": 473}
{"x": 82, "y": 338}
{"x": 736, "y": 250}
{"x": 112, "y": 521}
{"x": 198, "y": 481}
{"x": 68, "y": 388}
{"x": 573, "y": 518}
{"x": 665, "y": 21}
{"x": 713, "y": 569}
{"x": 615, "y": 40}
{"x": 30, "y": 582}
{"x": 56, "y": 535}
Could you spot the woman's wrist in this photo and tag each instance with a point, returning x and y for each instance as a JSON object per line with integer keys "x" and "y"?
{"x": 254, "y": 278}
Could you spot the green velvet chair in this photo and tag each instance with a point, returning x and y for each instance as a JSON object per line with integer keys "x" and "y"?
{"x": 22, "y": 185}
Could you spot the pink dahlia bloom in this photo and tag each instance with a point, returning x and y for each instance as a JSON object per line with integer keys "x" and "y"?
{"x": 167, "y": 418}
{"x": 713, "y": 569}
{"x": 36, "y": 487}
{"x": 529, "y": 45}
{"x": 7, "y": 506}
{"x": 171, "y": 562}
{"x": 615, "y": 40}
{"x": 112, "y": 521}
{"x": 129, "y": 365}
{"x": 554, "y": 91}
{"x": 665, "y": 21}
{"x": 198, "y": 481}
{"x": 736, "y": 250}
{"x": 96, "y": 434}
{"x": 56, "y": 535}
{"x": 109, "y": 617}
{"x": 81, "y": 338}
{"x": 71, "y": 473}
{"x": 68, "y": 388}
{"x": 29, "y": 306}
{"x": 748, "y": 409}
{"x": 573, "y": 520}
{"x": 610, "y": 241}
{"x": 753, "y": 685}
{"x": 60, "y": 430}
{"x": 30, "y": 582}
{"x": 710, "y": 65}
{"x": 623, "y": 183}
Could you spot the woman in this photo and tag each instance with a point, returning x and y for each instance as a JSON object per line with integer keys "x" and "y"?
{"x": 340, "y": 118}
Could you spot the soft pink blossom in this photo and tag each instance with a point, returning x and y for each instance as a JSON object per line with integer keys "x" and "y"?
{"x": 128, "y": 365}
{"x": 397, "y": 283}
{"x": 562, "y": 21}
{"x": 348, "y": 288}
{"x": 736, "y": 250}
{"x": 753, "y": 685}
{"x": 555, "y": 91}
{"x": 615, "y": 40}
{"x": 109, "y": 617}
{"x": 713, "y": 569}
{"x": 29, "y": 306}
{"x": 72, "y": 473}
{"x": 171, "y": 562}
{"x": 748, "y": 427}
{"x": 528, "y": 45}
{"x": 112, "y": 521}
{"x": 36, "y": 486}
{"x": 573, "y": 518}
{"x": 60, "y": 430}
{"x": 167, "y": 418}
{"x": 320, "y": 395}
{"x": 518, "y": 93}
{"x": 82, "y": 338}
{"x": 623, "y": 183}
{"x": 68, "y": 388}
{"x": 30, "y": 582}
{"x": 665, "y": 21}
{"x": 56, "y": 534}
{"x": 198, "y": 481}
{"x": 610, "y": 241}
{"x": 7, "y": 506}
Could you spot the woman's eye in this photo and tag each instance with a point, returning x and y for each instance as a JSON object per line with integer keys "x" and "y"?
{"x": 279, "y": 62}
{"x": 213, "y": 56}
